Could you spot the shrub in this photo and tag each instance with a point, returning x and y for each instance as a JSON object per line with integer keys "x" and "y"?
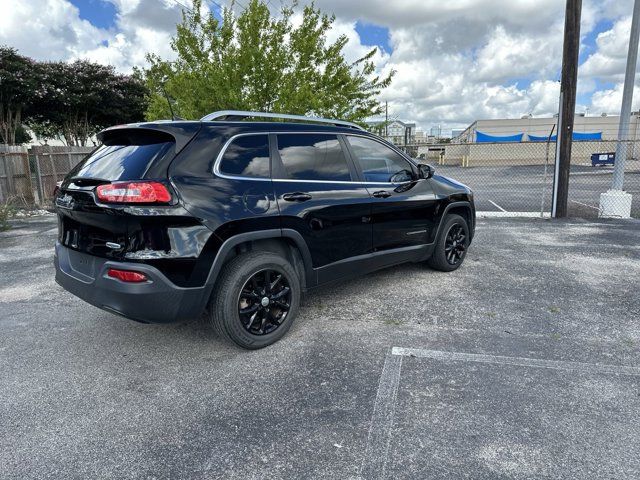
{"x": 6, "y": 212}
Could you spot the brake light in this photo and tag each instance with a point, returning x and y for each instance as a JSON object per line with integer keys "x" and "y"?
{"x": 128, "y": 276}
{"x": 56, "y": 189}
{"x": 134, "y": 192}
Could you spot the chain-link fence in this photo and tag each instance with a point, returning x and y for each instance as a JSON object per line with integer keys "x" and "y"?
{"x": 51, "y": 165}
{"x": 28, "y": 175}
{"x": 517, "y": 178}
{"x": 592, "y": 174}
{"x": 507, "y": 178}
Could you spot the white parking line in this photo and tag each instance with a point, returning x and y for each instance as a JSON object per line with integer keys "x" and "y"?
{"x": 585, "y": 205}
{"x": 497, "y": 206}
{"x": 518, "y": 361}
{"x": 375, "y": 458}
{"x": 374, "y": 463}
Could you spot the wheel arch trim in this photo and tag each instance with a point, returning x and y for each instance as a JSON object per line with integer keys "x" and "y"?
{"x": 274, "y": 233}
{"x": 463, "y": 204}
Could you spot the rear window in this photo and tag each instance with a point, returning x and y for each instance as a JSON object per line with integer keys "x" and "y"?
{"x": 313, "y": 156}
{"x": 125, "y": 157}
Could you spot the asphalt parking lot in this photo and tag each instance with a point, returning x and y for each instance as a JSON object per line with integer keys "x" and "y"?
{"x": 521, "y": 188}
{"x": 525, "y": 363}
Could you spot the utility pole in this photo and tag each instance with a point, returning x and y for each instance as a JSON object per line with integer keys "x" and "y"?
{"x": 566, "y": 114}
{"x": 616, "y": 202}
{"x": 406, "y": 139}
{"x": 386, "y": 120}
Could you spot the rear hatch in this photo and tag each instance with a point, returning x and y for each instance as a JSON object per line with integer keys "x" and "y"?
{"x": 110, "y": 226}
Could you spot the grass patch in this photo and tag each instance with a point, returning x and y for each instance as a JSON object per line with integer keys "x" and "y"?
{"x": 6, "y": 212}
{"x": 554, "y": 309}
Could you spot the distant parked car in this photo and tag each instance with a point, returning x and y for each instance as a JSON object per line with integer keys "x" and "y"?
{"x": 238, "y": 218}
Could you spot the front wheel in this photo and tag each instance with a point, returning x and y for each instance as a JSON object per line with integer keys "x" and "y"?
{"x": 451, "y": 244}
{"x": 256, "y": 299}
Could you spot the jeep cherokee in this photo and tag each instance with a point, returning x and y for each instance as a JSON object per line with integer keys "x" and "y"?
{"x": 237, "y": 215}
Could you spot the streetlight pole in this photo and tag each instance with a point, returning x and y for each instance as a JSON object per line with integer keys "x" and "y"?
{"x": 616, "y": 202}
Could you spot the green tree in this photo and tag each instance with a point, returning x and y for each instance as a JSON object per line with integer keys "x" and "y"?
{"x": 79, "y": 99}
{"x": 262, "y": 63}
{"x": 22, "y": 135}
{"x": 18, "y": 89}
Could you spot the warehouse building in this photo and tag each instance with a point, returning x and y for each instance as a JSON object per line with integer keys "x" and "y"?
{"x": 531, "y": 129}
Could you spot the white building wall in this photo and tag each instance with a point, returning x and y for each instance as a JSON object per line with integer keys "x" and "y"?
{"x": 543, "y": 126}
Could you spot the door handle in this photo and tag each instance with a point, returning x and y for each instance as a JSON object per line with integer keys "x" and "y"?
{"x": 381, "y": 194}
{"x": 296, "y": 197}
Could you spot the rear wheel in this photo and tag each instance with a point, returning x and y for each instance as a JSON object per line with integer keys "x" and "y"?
{"x": 451, "y": 244}
{"x": 256, "y": 299}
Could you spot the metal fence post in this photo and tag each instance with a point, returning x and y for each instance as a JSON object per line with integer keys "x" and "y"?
{"x": 38, "y": 177}
{"x": 2, "y": 195}
{"x": 53, "y": 166}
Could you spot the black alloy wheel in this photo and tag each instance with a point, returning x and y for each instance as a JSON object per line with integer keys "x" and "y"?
{"x": 455, "y": 244}
{"x": 264, "y": 302}
{"x": 451, "y": 245}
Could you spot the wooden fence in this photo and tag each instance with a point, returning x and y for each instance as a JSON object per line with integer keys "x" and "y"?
{"x": 29, "y": 175}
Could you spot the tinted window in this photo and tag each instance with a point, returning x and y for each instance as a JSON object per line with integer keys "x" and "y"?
{"x": 313, "y": 157}
{"x": 378, "y": 162}
{"x": 122, "y": 162}
{"x": 247, "y": 157}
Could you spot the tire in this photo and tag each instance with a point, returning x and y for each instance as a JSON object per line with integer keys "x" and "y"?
{"x": 237, "y": 283}
{"x": 449, "y": 257}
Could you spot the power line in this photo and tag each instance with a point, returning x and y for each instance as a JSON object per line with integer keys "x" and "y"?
{"x": 182, "y": 5}
{"x": 222, "y": 8}
{"x": 243, "y": 7}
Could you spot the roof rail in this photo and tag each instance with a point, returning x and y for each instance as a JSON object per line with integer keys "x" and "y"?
{"x": 240, "y": 115}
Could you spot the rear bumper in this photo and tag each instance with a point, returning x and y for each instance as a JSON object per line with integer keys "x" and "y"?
{"x": 155, "y": 301}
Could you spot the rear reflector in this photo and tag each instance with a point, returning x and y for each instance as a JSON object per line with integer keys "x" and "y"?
{"x": 133, "y": 192}
{"x": 127, "y": 275}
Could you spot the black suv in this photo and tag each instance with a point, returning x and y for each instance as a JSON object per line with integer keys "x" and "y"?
{"x": 237, "y": 217}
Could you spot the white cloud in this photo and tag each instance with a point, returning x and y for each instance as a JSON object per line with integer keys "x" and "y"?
{"x": 47, "y": 29}
{"x": 610, "y": 100}
{"x": 609, "y": 60}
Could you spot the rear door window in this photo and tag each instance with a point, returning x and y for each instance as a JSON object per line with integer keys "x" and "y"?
{"x": 247, "y": 156}
{"x": 311, "y": 156}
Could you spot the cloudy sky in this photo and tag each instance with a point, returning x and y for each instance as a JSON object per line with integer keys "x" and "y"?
{"x": 456, "y": 60}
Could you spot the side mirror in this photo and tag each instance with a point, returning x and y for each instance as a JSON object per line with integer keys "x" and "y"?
{"x": 403, "y": 176}
{"x": 425, "y": 171}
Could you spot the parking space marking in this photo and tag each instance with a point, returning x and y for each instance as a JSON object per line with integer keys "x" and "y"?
{"x": 517, "y": 361}
{"x": 375, "y": 459}
{"x": 585, "y": 204}
{"x": 497, "y": 206}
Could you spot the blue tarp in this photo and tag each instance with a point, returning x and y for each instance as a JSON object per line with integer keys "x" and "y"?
{"x": 484, "y": 138}
{"x": 577, "y": 136}
{"x": 587, "y": 136}
{"x": 536, "y": 138}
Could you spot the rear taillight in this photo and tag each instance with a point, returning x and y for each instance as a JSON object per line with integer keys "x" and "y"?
{"x": 57, "y": 188}
{"x": 133, "y": 192}
{"x": 128, "y": 276}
